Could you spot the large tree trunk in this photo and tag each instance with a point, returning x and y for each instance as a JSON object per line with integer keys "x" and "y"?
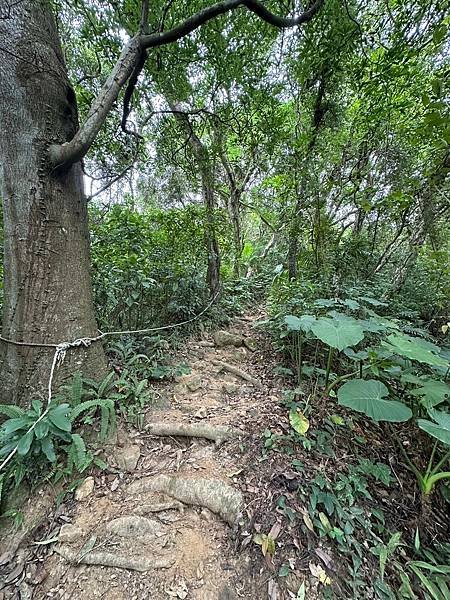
{"x": 48, "y": 294}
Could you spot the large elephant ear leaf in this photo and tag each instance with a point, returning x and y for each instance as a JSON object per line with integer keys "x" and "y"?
{"x": 415, "y": 349}
{"x": 302, "y": 323}
{"x": 439, "y": 430}
{"x": 337, "y": 333}
{"x": 433, "y": 392}
{"x": 368, "y": 396}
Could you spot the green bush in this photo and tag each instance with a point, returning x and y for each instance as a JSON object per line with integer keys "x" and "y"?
{"x": 149, "y": 268}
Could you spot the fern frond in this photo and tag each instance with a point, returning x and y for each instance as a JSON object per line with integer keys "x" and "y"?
{"x": 105, "y": 383}
{"x": 79, "y": 450}
{"x": 104, "y": 421}
{"x": 11, "y": 411}
{"x": 90, "y": 404}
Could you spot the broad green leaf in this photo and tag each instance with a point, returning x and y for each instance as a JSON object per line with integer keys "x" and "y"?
{"x": 372, "y": 301}
{"x": 352, "y": 304}
{"x": 12, "y": 425}
{"x": 433, "y": 392}
{"x": 58, "y": 416}
{"x": 414, "y": 349}
{"x": 41, "y": 430}
{"x": 298, "y": 421}
{"x": 439, "y": 433}
{"x": 352, "y": 355}
{"x": 325, "y": 302}
{"x": 337, "y": 333}
{"x": 443, "y": 418}
{"x": 48, "y": 449}
{"x": 302, "y": 323}
{"x": 23, "y": 447}
{"x": 368, "y": 396}
{"x": 37, "y": 406}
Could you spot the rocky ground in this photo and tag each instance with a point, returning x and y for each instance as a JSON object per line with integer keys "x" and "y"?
{"x": 173, "y": 516}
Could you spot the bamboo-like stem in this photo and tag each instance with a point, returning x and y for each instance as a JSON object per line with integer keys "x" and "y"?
{"x": 329, "y": 361}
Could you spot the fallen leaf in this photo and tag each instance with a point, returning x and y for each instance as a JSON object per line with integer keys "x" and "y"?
{"x": 275, "y": 531}
{"x": 318, "y": 572}
{"x": 298, "y": 421}
{"x": 325, "y": 521}
{"x": 308, "y": 522}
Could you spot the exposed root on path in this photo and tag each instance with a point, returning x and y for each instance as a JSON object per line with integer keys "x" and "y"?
{"x": 219, "y": 497}
{"x": 217, "y": 433}
{"x": 159, "y": 507}
{"x": 108, "y": 559}
{"x": 235, "y": 371}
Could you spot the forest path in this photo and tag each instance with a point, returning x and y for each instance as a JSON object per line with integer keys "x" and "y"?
{"x": 167, "y": 519}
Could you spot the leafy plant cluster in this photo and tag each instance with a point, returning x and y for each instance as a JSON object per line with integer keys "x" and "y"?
{"x": 343, "y": 504}
{"x": 53, "y": 440}
{"x": 149, "y": 267}
{"x": 385, "y": 368}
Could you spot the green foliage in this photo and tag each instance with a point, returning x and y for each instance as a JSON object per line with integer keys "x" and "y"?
{"x": 39, "y": 436}
{"x": 368, "y": 396}
{"x": 149, "y": 268}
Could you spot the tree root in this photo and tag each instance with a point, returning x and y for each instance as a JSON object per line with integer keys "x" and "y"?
{"x": 146, "y": 509}
{"x": 235, "y": 371}
{"x": 108, "y": 559}
{"x": 216, "y": 433}
{"x": 219, "y": 497}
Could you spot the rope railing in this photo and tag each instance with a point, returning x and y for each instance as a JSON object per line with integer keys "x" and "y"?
{"x": 61, "y": 349}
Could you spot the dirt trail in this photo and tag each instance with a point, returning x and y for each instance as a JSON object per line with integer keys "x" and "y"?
{"x": 173, "y": 522}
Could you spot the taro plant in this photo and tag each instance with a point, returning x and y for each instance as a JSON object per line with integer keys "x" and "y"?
{"x": 337, "y": 332}
{"x": 373, "y": 398}
{"x": 298, "y": 328}
{"x": 400, "y": 372}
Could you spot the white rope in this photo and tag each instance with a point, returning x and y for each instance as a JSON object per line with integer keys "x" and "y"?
{"x": 60, "y": 353}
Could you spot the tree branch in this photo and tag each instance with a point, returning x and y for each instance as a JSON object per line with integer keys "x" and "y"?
{"x": 62, "y": 156}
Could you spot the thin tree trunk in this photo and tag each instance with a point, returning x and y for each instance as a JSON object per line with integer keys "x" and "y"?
{"x": 233, "y": 208}
{"x": 205, "y": 167}
{"x": 48, "y": 294}
{"x": 428, "y": 210}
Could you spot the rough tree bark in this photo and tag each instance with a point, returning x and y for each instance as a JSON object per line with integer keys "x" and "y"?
{"x": 237, "y": 182}
{"x": 48, "y": 294}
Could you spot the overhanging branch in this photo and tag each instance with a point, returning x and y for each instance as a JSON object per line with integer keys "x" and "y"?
{"x": 62, "y": 156}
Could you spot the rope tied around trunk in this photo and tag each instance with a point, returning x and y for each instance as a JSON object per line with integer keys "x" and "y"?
{"x": 61, "y": 349}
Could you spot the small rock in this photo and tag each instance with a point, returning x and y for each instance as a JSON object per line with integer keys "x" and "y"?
{"x": 186, "y": 383}
{"x": 85, "y": 489}
{"x": 180, "y": 389}
{"x": 230, "y": 388}
{"x": 194, "y": 383}
{"x": 202, "y": 413}
{"x": 127, "y": 458}
{"x": 239, "y": 354}
{"x": 251, "y": 344}
{"x": 70, "y": 533}
{"x": 225, "y": 338}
